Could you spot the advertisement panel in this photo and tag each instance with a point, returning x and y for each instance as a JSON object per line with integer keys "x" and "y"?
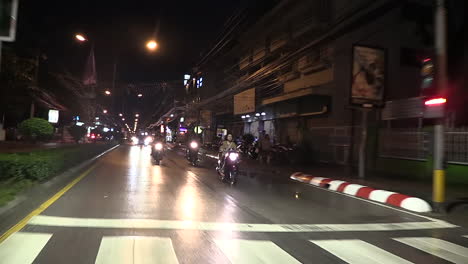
{"x": 244, "y": 102}
{"x": 53, "y": 116}
{"x": 368, "y": 75}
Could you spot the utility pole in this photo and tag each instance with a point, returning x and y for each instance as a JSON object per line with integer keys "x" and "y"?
{"x": 438, "y": 195}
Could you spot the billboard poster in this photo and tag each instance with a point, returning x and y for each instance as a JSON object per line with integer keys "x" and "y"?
{"x": 244, "y": 102}
{"x": 368, "y": 75}
{"x": 8, "y": 13}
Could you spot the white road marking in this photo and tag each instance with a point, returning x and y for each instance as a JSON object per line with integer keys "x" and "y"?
{"x": 438, "y": 247}
{"x": 136, "y": 249}
{"x": 357, "y": 251}
{"x": 22, "y": 247}
{"x": 43, "y": 220}
{"x": 254, "y": 251}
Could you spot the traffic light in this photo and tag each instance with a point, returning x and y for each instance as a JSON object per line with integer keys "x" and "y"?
{"x": 434, "y": 103}
{"x": 427, "y": 77}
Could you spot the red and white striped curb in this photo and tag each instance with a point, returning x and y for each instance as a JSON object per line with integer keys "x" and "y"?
{"x": 381, "y": 196}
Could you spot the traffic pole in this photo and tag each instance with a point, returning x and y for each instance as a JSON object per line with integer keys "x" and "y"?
{"x": 438, "y": 193}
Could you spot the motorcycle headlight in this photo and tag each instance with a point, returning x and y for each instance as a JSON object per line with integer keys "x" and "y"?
{"x": 158, "y": 146}
{"x": 233, "y": 156}
{"x": 148, "y": 140}
{"x": 194, "y": 145}
{"x": 135, "y": 140}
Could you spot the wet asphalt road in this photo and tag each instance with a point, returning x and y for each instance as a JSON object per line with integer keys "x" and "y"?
{"x": 127, "y": 210}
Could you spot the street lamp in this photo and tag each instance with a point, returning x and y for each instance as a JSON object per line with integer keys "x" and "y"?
{"x": 151, "y": 45}
{"x": 137, "y": 115}
{"x": 123, "y": 119}
{"x": 120, "y": 114}
{"x": 80, "y": 37}
{"x": 107, "y": 92}
{"x": 140, "y": 95}
{"x": 104, "y": 111}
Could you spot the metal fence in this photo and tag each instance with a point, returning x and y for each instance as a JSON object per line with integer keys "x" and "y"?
{"x": 403, "y": 143}
{"x": 456, "y": 145}
{"x": 415, "y": 144}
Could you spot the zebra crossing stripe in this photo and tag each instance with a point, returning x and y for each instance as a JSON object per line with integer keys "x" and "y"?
{"x": 136, "y": 249}
{"x": 254, "y": 251}
{"x": 357, "y": 251}
{"x": 22, "y": 247}
{"x": 437, "y": 247}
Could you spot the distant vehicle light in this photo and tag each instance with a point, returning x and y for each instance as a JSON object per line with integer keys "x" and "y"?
{"x": 436, "y": 101}
{"x": 135, "y": 140}
{"x": 194, "y": 145}
{"x": 158, "y": 146}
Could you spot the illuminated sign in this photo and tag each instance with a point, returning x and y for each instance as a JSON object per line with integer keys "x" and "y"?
{"x": 187, "y": 77}
{"x": 53, "y": 116}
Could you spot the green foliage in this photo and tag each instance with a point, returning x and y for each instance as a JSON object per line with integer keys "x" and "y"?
{"x": 77, "y": 132}
{"x": 41, "y": 165}
{"x": 36, "y": 129}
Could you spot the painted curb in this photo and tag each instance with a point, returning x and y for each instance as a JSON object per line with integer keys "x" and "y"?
{"x": 391, "y": 198}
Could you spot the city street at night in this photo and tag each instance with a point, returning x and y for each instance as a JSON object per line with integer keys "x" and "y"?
{"x": 235, "y": 131}
{"x": 127, "y": 210}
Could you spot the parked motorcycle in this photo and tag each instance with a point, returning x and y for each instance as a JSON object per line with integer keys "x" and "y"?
{"x": 228, "y": 166}
{"x": 157, "y": 152}
{"x": 192, "y": 153}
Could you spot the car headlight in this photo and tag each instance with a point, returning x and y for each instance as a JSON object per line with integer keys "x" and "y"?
{"x": 233, "y": 156}
{"x": 135, "y": 140}
{"x": 158, "y": 146}
{"x": 194, "y": 145}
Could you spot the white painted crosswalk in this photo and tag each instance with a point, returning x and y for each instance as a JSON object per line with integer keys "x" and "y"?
{"x": 438, "y": 247}
{"x": 356, "y": 251}
{"x": 254, "y": 251}
{"x": 24, "y": 247}
{"x": 136, "y": 249}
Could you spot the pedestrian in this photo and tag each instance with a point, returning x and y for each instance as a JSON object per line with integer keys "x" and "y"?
{"x": 265, "y": 149}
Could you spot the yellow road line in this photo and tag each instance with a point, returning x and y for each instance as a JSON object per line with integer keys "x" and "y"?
{"x": 44, "y": 206}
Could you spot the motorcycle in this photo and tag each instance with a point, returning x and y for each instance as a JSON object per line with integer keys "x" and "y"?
{"x": 157, "y": 152}
{"x": 192, "y": 153}
{"x": 229, "y": 171}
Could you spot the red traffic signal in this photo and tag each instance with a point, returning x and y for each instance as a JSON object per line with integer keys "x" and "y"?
{"x": 435, "y": 101}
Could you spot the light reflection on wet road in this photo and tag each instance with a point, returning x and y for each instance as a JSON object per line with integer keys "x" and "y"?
{"x": 177, "y": 213}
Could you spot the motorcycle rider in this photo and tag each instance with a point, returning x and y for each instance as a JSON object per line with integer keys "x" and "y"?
{"x": 225, "y": 147}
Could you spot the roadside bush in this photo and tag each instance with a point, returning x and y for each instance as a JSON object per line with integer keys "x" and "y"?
{"x": 36, "y": 129}
{"x": 41, "y": 165}
{"x": 77, "y": 132}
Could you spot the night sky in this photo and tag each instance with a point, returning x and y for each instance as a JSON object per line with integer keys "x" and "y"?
{"x": 119, "y": 30}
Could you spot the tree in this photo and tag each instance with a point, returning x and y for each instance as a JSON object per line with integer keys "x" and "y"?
{"x": 36, "y": 129}
{"x": 77, "y": 132}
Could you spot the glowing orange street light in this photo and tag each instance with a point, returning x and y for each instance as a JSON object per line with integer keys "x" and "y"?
{"x": 151, "y": 45}
{"x": 80, "y": 37}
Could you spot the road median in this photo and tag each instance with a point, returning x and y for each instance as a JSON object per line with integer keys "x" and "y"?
{"x": 20, "y": 171}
